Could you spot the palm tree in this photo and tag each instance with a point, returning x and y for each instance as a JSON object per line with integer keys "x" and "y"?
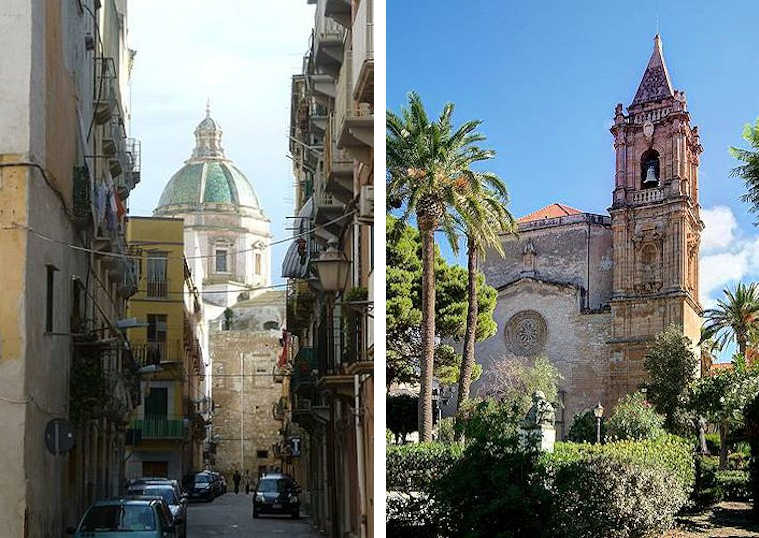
{"x": 749, "y": 170}
{"x": 484, "y": 217}
{"x": 426, "y": 161}
{"x": 736, "y": 317}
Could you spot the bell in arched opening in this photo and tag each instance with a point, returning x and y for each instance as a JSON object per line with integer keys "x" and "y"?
{"x": 649, "y": 169}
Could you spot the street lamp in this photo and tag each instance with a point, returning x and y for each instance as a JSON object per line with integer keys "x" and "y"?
{"x": 598, "y": 411}
{"x": 332, "y": 268}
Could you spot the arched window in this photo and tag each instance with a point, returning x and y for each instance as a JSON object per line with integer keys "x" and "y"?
{"x": 271, "y": 325}
{"x": 649, "y": 169}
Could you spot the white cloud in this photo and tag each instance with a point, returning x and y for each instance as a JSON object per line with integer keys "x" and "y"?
{"x": 720, "y": 228}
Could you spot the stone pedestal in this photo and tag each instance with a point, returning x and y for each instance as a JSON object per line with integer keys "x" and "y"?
{"x": 540, "y": 436}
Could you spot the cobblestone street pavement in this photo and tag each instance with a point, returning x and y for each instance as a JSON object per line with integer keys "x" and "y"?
{"x": 231, "y": 515}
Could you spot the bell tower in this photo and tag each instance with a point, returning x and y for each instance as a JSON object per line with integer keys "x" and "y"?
{"x": 655, "y": 223}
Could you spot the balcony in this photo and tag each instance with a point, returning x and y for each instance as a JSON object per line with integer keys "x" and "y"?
{"x": 363, "y": 53}
{"x": 157, "y": 288}
{"x": 329, "y": 39}
{"x": 339, "y": 10}
{"x": 318, "y": 118}
{"x": 327, "y": 208}
{"x": 343, "y": 344}
{"x": 82, "y": 197}
{"x": 647, "y": 196}
{"x": 130, "y": 176}
{"x": 156, "y": 353}
{"x": 160, "y": 427}
{"x": 105, "y": 104}
{"x": 304, "y": 364}
{"x": 354, "y": 121}
{"x": 338, "y": 167}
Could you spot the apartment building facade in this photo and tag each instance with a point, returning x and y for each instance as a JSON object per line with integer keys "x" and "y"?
{"x": 168, "y": 425}
{"x": 326, "y": 368}
{"x": 67, "y": 166}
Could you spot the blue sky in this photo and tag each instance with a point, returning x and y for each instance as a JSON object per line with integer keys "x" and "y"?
{"x": 241, "y": 55}
{"x": 545, "y": 81}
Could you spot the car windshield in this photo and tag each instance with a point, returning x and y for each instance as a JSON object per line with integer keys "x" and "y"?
{"x": 270, "y": 485}
{"x": 167, "y": 492}
{"x": 125, "y": 517}
{"x": 202, "y": 479}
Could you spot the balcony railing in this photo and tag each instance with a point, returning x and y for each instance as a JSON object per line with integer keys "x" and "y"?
{"x": 158, "y": 288}
{"x": 160, "y": 427}
{"x": 344, "y": 339}
{"x": 156, "y": 352}
{"x": 353, "y": 120}
{"x": 363, "y": 52}
{"x": 647, "y": 196}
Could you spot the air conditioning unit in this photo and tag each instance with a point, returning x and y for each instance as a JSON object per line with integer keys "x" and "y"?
{"x": 366, "y": 203}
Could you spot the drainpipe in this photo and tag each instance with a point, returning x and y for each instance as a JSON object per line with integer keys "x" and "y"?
{"x": 359, "y": 453}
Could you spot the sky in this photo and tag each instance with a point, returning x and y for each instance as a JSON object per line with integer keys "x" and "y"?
{"x": 240, "y": 54}
{"x": 545, "y": 81}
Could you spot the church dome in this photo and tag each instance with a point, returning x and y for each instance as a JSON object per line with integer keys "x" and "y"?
{"x": 208, "y": 177}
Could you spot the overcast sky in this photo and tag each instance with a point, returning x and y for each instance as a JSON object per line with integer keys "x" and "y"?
{"x": 241, "y": 55}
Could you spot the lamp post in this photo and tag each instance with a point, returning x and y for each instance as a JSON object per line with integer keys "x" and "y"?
{"x": 598, "y": 411}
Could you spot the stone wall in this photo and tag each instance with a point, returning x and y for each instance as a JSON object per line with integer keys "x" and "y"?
{"x": 244, "y": 391}
{"x": 572, "y": 340}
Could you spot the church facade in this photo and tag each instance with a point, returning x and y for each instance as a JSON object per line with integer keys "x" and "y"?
{"x": 590, "y": 291}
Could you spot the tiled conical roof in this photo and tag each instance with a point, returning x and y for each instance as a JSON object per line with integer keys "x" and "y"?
{"x": 655, "y": 84}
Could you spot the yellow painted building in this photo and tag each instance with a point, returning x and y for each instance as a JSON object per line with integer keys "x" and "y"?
{"x": 166, "y": 431}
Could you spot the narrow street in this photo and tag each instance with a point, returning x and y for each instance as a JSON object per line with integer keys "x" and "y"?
{"x": 231, "y": 515}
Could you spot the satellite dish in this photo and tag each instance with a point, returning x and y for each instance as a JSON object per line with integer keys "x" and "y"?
{"x": 59, "y": 436}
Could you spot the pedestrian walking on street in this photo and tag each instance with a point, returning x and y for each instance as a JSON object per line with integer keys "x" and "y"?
{"x": 236, "y": 477}
{"x": 247, "y": 481}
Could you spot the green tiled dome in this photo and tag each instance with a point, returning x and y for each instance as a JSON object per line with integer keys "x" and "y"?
{"x": 208, "y": 177}
{"x": 220, "y": 181}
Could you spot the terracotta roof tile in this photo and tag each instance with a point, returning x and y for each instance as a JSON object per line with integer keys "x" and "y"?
{"x": 551, "y": 211}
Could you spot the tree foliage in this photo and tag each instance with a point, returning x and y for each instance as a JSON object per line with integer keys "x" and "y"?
{"x": 735, "y": 318}
{"x": 401, "y": 415}
{"x": 671, "y": 366}
{"x": 512, "y": 381}
{"x": 403, "y": 327}
{"x": 749, "y": 169}
{"x": 634, "y": 418}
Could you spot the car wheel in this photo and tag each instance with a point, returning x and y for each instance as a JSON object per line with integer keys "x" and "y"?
{"x": 296, "y": 514}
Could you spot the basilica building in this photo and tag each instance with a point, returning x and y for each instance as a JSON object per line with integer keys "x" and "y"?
{"x": 590, "y": 291}
{"x": 227, "y": 252}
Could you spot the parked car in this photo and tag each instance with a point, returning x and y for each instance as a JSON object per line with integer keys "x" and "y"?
{"x": 276, "y": 494}
{"x": 178, "y": 489}
{"x": 168, "y": 491}
{"x": 126, "y": 518}
{"x": 203, "y": 487}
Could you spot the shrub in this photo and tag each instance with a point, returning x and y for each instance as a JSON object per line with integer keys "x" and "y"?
{"x": 401, "y": 412}
{"x": 603, "y": 496}
{"x": 734, "y": 485}
{"x": 583, "y": 428}
{"x": 712, "y": 443}
{"x": 446, "y": 431}
{"x": 669, "y": 452}
{"x": 634, "y": 418}
{"x": 411, "y": 472}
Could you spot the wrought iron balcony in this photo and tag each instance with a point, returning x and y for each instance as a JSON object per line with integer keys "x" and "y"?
{"x": 160, "y": 427}
{"x": 362, "y": 39}
{"x": 155, "y": 353}
{"x": 158, "y": 288}
{"x": 354, "y": 121}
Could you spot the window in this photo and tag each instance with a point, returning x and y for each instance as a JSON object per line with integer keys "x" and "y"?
{"x": 156, "y": 348}
{"x": 258, "y": 263}
{"x": 262, "y": 453}
{"x": 221, "y": 261}
{"x": 49, "y": 305}
{"x": 157, "y": 274}
{"x": 271, "y": 325}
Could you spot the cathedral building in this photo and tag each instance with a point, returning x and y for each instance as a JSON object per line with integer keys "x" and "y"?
{"x": 227, "y": 250}
{"x": 590, "y": 291}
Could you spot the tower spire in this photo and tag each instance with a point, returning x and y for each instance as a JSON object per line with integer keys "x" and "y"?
{"x": 208, "y": 107}
{"x": 655, "y": 84}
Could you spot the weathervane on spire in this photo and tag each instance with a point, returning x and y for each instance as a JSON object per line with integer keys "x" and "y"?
{"x": 208, "y": 107}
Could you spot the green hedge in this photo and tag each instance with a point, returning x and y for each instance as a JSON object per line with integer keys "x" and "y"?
{"x": 669, "y": 452}
{"x": 734, "y": 485}
{"x": 414, "y": 467}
